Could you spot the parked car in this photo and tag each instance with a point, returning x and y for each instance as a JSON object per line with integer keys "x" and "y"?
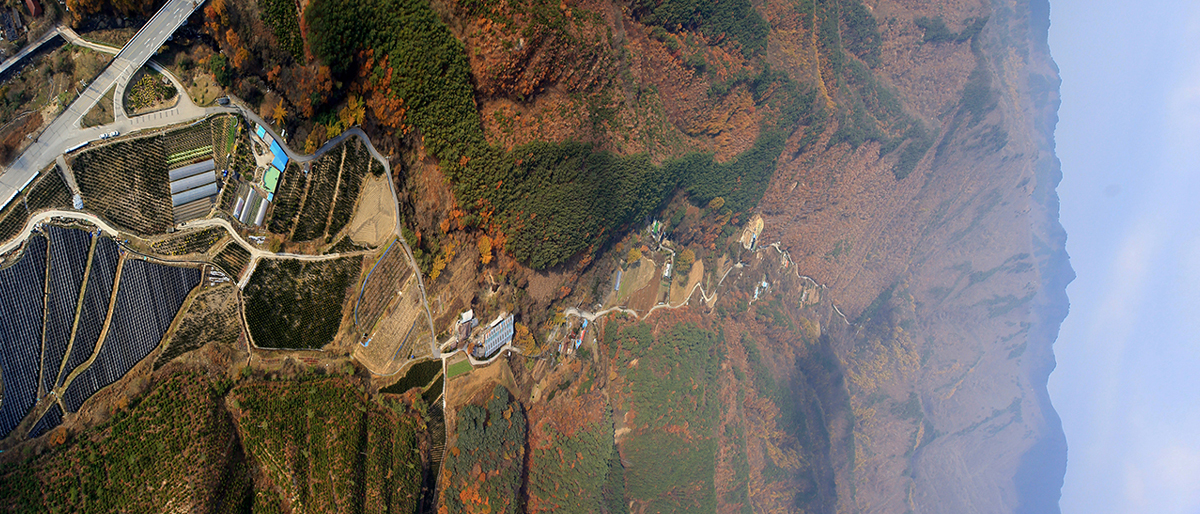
{"x": 224, "y": 100}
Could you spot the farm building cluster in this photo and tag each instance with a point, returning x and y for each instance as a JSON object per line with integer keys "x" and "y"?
{"x": 255, "y": 194}
{"x": 486, "y": 343}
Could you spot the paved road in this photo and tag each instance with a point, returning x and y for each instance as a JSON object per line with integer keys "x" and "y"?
{"x": 65, "y": 132}
{"x": 30, "y": 48}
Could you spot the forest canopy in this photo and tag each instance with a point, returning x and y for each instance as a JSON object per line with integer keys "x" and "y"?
{"x": 553, "y": 199}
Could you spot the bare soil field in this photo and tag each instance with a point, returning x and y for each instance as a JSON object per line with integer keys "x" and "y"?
{"x": 679, "y": 293}
{"x": 212, "y": 316}
{"x": 645, "y": 297}
{"x": 400, "y": 332}
{"x": 375, "y": 219}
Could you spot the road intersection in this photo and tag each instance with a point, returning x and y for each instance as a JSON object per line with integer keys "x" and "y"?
{"x": 65, "y": 131}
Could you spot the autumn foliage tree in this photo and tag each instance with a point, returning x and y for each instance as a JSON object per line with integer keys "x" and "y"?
{"x": 634, "y": 256}
{"x": 485, "y": 249}
{"x": 685, "y": 261}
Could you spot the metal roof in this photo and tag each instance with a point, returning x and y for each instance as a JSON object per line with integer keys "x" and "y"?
{"x": 191, "y": 169}
{"x": 192, "y": 182}
{"x": 498, "y": 336}
{"x": 192, "y": 195}
{"x": 281, "y": 158}
{"x": 262, "y": 212}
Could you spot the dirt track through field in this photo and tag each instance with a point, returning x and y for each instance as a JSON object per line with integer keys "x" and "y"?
{"x": 375, "y": 219}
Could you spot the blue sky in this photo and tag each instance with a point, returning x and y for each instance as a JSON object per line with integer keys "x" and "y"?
{"x": 1127, "y": 384}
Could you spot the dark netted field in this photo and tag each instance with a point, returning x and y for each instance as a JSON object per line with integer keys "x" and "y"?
{"x": 298, "y": 304}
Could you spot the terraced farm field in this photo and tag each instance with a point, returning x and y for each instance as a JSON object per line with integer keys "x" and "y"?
{"x": 232, "y": 259}
{"x": 126, "y": 183}
{"x": 298, "y": 304}
{"x": 212, "y": 317}
{"x": 381, "y": 287}
{"x": 288, "y": 195}
{"x": 197, "y": 241}
{"x": 332, "y": 191}
{"x": 47, "y": 192}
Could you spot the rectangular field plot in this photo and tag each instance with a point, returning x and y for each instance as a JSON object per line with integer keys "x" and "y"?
{"x": 194, "y": 142}
{"x": 51, "y": 419}
{"x": 22, "y": 290}
{"x": 297, "y": 304}
{"x": 126, "y": 182}
{"x": 148, "y": 297}
{"x": 97, "y": 296}
{"x": 69, "y": 250}
{"x": 232, "y": 259}
{"x": 458, "y": 368}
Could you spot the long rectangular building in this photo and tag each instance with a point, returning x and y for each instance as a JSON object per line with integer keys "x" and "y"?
{"x": 192, "y": 169}
{"x": 498, "y": 334}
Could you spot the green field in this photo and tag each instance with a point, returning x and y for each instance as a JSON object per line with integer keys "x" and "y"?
{"x": 328, "y": 448}
{"x": 458, "y": 368}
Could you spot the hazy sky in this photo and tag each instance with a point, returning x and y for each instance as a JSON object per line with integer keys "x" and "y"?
{"x": 1128, "y": 379}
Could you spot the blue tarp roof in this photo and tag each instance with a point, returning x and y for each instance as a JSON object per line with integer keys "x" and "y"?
{"x": 259, "y": 130}
{"x": 281, "y": 158}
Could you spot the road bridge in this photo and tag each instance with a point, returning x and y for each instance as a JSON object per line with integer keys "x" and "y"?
{"x": 65, "y": 132}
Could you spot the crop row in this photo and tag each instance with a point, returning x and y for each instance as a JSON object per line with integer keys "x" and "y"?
{"x": 322, "y": 183}
{"x": 126, "y": 182}
{"x": 204, "y": 151}
{"x": 357, "y": 164}
{"x": 295, "y": 304}
{"x": 189, "y": 242}
{"x": 232, "y": 259}
{"x": 69, "y": 250}
{"x": 21, "y": 309}
{"x": 148, "y": 297}
{"x": 287, "y": 199}
{"x": 379, "y": 288}
{"x": 48, "y": 191}
{"x": 189, "y": 138}
{"x": 224, "y": 136}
